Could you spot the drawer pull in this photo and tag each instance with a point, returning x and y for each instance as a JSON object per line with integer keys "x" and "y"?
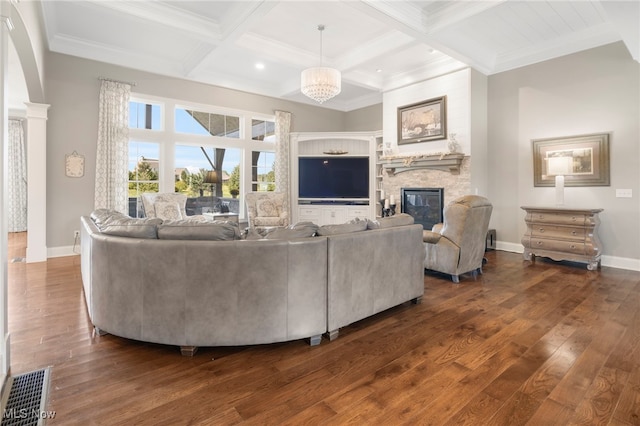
{"x": 572, "y": 246}
{"x": 573, "y": 218}
{"x": 574, "y": 233}
{"x": 541, "y": 230}
{"x": 539, "y": 243}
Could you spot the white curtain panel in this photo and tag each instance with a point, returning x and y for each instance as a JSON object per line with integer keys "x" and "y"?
{"x": 112, "y": 176}
{"x": 17, "y": 179}
{"x": 281, "y": 166}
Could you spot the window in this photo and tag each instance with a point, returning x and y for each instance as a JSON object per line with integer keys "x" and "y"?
{"x": 144, "y": 116}
{"x": 262, "y": 130}
{"x": 205, "y": 123}
{"x": 192, "y": 165}
{"x": 173, "y": 144}
{"x": 143, "y": 172}
{"x": 262, "y": 171}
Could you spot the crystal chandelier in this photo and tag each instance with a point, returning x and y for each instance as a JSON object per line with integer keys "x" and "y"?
{"x": 320, "y": 83}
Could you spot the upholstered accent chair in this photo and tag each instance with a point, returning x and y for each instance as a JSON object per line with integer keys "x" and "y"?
{"x": 164, "y": 205}
{"x": 457, "y": 246}
{"x": 266, "y": 210}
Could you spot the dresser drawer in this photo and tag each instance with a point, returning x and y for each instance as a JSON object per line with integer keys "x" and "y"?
{"x": 542, "y": 230}
{"x": 557, "y": 218}
{"x": 555, "y": 245}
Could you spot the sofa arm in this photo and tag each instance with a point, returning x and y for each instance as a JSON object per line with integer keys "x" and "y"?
{"x": 431, "y": 237}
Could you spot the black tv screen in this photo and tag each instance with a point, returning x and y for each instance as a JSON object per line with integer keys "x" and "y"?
{"x": 333, "y": 177}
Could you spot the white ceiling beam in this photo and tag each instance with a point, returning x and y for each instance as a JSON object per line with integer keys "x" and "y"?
{"x": 242, "y": 16}
{"x": 390, "y": 13}
{"x": 456, "y": 12}
{"x": 196, "y": 26}
{"x": 625, "y": 15}
{"x": 573, "y": 42}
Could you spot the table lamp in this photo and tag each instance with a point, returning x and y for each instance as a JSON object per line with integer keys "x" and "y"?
{"x": 559, "y": 167}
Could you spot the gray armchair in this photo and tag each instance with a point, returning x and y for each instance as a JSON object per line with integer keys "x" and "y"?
{"x": 457, "y": 246}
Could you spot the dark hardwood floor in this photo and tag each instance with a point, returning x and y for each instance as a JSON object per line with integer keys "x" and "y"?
{"x": 526, "y": 343}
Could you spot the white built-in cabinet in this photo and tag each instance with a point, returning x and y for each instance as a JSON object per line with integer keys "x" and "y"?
{"x": 335, "y": 211}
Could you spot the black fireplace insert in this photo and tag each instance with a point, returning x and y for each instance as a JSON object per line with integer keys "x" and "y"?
{"x": 424, "y": 204}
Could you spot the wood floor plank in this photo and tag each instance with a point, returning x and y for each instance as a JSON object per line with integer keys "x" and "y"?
{"x": 523, "y": 343}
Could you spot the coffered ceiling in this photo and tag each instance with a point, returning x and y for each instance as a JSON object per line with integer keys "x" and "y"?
{"x": 378, "y": 45}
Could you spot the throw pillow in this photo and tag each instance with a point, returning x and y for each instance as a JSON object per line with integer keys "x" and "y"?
{"x": 193, "y": 230}
{"x": 266, "y": 208}
{"x": 396, "y": 220}
{"x": 132, "y": 228}
{"x": 355, "y": 225}
{"x": 167, "y": 210}
{"x": 102, "y": 216}
{"x": 299, "y": 230}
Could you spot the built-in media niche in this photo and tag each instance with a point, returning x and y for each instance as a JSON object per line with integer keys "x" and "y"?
{"x": 333, "y": 178}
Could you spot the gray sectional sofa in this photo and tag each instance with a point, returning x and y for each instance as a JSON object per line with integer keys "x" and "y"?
{"x": 194, "y": 284}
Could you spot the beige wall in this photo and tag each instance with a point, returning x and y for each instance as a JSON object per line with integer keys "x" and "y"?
{"x": 72, "y": 89}
{"x": 588, "y": 92}
{"x": 593, "y": 91}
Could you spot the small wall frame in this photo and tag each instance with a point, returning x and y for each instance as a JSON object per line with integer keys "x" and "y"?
{"x": 423, "y": 121}
{"x": 589, "y": 160}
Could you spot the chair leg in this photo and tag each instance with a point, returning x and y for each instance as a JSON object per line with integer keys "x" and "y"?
{"x": 455, "y": 279}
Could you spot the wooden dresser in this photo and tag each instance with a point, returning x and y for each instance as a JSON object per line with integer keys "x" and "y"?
{"x": 563, "y": 234}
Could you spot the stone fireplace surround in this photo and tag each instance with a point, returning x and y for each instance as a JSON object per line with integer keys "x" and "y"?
{"x": 455, "y": 184}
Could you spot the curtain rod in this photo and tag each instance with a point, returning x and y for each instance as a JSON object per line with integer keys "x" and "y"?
{"x": 117, "y": 81}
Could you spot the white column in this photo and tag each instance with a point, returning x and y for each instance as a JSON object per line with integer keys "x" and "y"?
{"x": 37, "y": 182}
{"x": 5, "y": 27}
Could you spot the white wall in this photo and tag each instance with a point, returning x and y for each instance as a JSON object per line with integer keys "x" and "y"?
{"x": 456, "y": 86}
{"x": 72, "y": 89}
{"x": 594, "y": 91}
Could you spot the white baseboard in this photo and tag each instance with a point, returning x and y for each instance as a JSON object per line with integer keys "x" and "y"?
{"x": 63, "y": 251}
{"x": 610, "y": 261}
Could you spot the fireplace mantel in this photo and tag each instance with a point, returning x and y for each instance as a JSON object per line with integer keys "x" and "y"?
{"x": 448, "y": 162}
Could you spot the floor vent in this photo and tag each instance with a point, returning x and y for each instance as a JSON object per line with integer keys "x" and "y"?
{"x": 25, "y": 398}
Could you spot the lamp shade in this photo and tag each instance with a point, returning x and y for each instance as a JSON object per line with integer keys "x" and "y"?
{"x": 211, "y": 177}
{"x": 559, "y": 166}
{"x": 320, "y": 83}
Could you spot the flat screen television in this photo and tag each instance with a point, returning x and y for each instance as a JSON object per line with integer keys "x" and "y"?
{"x": 333, "y": 177}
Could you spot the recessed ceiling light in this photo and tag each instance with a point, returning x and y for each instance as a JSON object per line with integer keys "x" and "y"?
{"x": 260, "y": 65}
{"x": 379, "y": 70}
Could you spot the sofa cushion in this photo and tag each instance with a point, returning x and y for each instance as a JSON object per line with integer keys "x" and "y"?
{"x": 355, "y": 225}
{"x": 395, "y": 220}
{"x": 266, "y": 208}
{"x": 131, "y": 227}
{"x": 167, "y": 210}
{"x": 101, "y": 216}
{"x": 193, "y": 230}
{"x": 298, "y": 230}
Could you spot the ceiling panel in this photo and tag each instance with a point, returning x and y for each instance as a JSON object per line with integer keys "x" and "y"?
{"x": 219, "y": 42}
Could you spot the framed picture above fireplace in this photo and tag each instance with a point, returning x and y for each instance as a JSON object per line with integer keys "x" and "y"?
{"x": 423, "y": 121}
{"x": 424, "y": 204}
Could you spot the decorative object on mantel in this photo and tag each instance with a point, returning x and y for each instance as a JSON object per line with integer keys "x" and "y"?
{"x": 588, "y": 160}
{"x": 448, "y": 162}
{"x": 388, "y": 205}
{"x": 320, "y": 83}
{"x": 453, "y": 144}
{"x": 74, "y": 165}
{"x": 423, "y": 121}
{"x": 335, "y": 152}
{"x": 388, "y": 149}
